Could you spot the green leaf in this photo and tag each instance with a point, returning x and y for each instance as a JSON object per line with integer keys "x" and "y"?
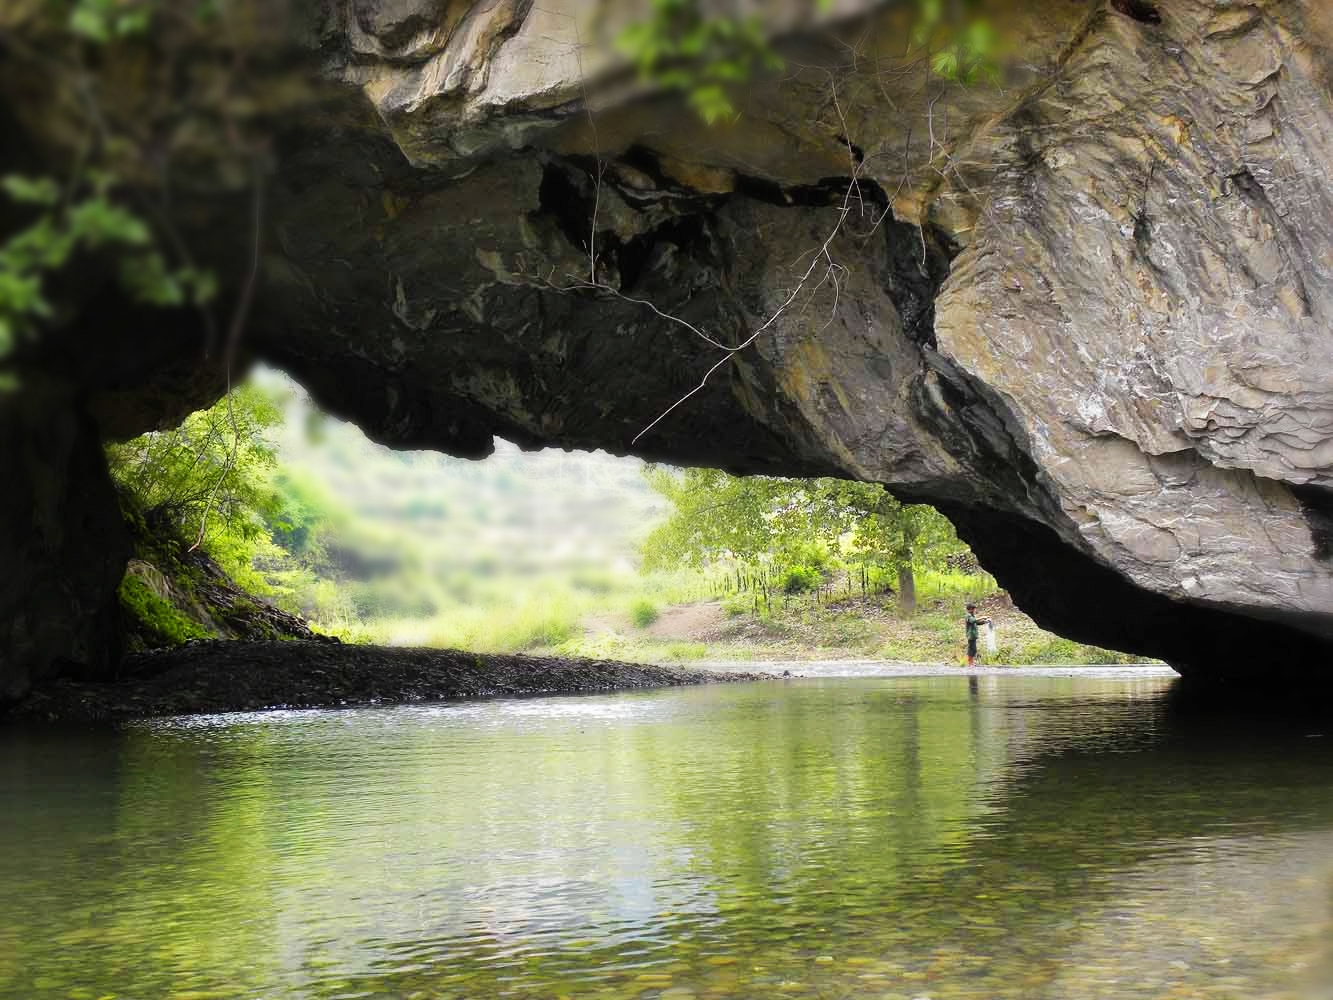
{"x": 98, "y": 221}
{"x": 31, "y": 190}
{"x": 133, "y": 23}
{"x": 101, "y": 21}
{"x": 202, "y": 285}
{"x": 684, "y": 46}
{"x": 945, "y": 63}
{"x": 712, "y": 103}
{"x": 979, "y": 38}
{"x": 22, "y": 295}
{"x": 146, "y": 277}
{"x": 43, "y": 246}
{"x": 87, "y": 21}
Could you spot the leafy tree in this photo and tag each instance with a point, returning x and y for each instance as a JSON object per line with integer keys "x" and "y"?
{"x": 784, "y": 523}
{"x": 714, "y": 515}
{"x": 298, "y": 515}
{"x": 211, "y": 477}
{"x": 85, "y": 211}
{"x": 685, "y": 45}
{"x": 682, "y": 47}
{"x": 902, "y": 536}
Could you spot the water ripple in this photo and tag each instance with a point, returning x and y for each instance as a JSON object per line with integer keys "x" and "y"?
{"x": 1024, "y": 836}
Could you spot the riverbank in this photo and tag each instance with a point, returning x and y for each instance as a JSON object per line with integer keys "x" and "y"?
{"x": 855, "y": 628}
{"x": 211, "y": 677}
{"x": 887, "y": 669}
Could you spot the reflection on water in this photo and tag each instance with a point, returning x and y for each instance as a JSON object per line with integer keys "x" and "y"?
{"x": 941, "y": 837}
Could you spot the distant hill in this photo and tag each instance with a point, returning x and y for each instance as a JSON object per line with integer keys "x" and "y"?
{"x": 525, "y": 511}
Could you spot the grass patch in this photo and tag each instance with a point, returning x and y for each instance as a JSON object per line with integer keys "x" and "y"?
{"x": 953, "y": 586}
{"x": 507, "y": 615}
{"x": 643, "y": 613}
{"x": 1052, "y": 649}
{"x": 602, "y": 615}
{"x": 682, "y": 651}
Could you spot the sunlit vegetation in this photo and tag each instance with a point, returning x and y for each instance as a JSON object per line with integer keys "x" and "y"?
{"x": 211, "y": 477}
{"x": 708, "y": 55}
{"x": 792, "y": 536}
{"x": 156, "y": 614}
{"x": 644, "y": 612}
{"x": 553, "y": 552}
{"x": 403, "y": 548}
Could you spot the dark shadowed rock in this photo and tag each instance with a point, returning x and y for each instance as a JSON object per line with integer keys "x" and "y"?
{"x": 62, "y": 543}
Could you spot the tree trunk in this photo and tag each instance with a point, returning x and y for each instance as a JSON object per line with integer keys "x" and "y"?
{"x": 906, "y": 591}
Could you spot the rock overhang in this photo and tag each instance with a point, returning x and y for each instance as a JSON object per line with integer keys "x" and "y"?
{"x": 1084, "y": 316}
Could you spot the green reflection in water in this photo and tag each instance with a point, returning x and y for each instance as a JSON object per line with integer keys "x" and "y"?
{"x": 1005, "y": 838}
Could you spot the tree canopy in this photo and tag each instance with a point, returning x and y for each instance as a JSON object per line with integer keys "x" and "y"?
{"x": 211, "y": 474}
{"x": 792, "y": 524}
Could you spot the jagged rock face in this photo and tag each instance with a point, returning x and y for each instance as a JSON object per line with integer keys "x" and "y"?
{"x": 1149, "y": 291}
{"x": 1085, "y": 313}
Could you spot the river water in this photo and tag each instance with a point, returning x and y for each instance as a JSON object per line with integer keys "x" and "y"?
{"x": 1062, "y": 837}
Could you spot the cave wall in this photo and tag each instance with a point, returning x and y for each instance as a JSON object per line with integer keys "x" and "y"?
{"x": 1084, "y": 312}
{"x": 1148, "y": 288}
{"x": 63, "y": 546}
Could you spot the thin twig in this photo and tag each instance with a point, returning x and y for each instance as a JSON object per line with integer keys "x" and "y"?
{"x": 731, "y": 352}
{"x": 597, "y": 286}
{"x": 238, "y": 319}
{"x": 832, "y": 269}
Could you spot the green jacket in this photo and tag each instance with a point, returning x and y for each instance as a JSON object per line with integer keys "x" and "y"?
{"x": 972, "y": 625}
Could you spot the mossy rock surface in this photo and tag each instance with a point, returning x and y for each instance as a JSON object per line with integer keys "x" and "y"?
{"x": 154, "y": 621}
{"x": 173, "y": 594}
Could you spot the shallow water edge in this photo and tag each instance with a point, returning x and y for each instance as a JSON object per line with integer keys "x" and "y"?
{"x": 220, "y": 677}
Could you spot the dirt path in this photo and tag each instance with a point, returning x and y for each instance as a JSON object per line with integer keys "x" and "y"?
{"x": 702, "y": 622}
{"x": 689, "y": 622}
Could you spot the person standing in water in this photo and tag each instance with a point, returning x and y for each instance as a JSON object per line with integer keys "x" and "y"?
{"x": 973, "y": 632}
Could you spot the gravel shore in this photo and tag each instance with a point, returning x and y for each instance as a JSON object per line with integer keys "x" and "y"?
{"x": 212, "y": 677}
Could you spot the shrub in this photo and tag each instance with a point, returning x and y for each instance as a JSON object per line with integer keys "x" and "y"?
{"x": 643, "y": 613}
{"x": 537, "y": 632}
{"x": 736, "y": 605}
{"x": 799, "y": 579}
